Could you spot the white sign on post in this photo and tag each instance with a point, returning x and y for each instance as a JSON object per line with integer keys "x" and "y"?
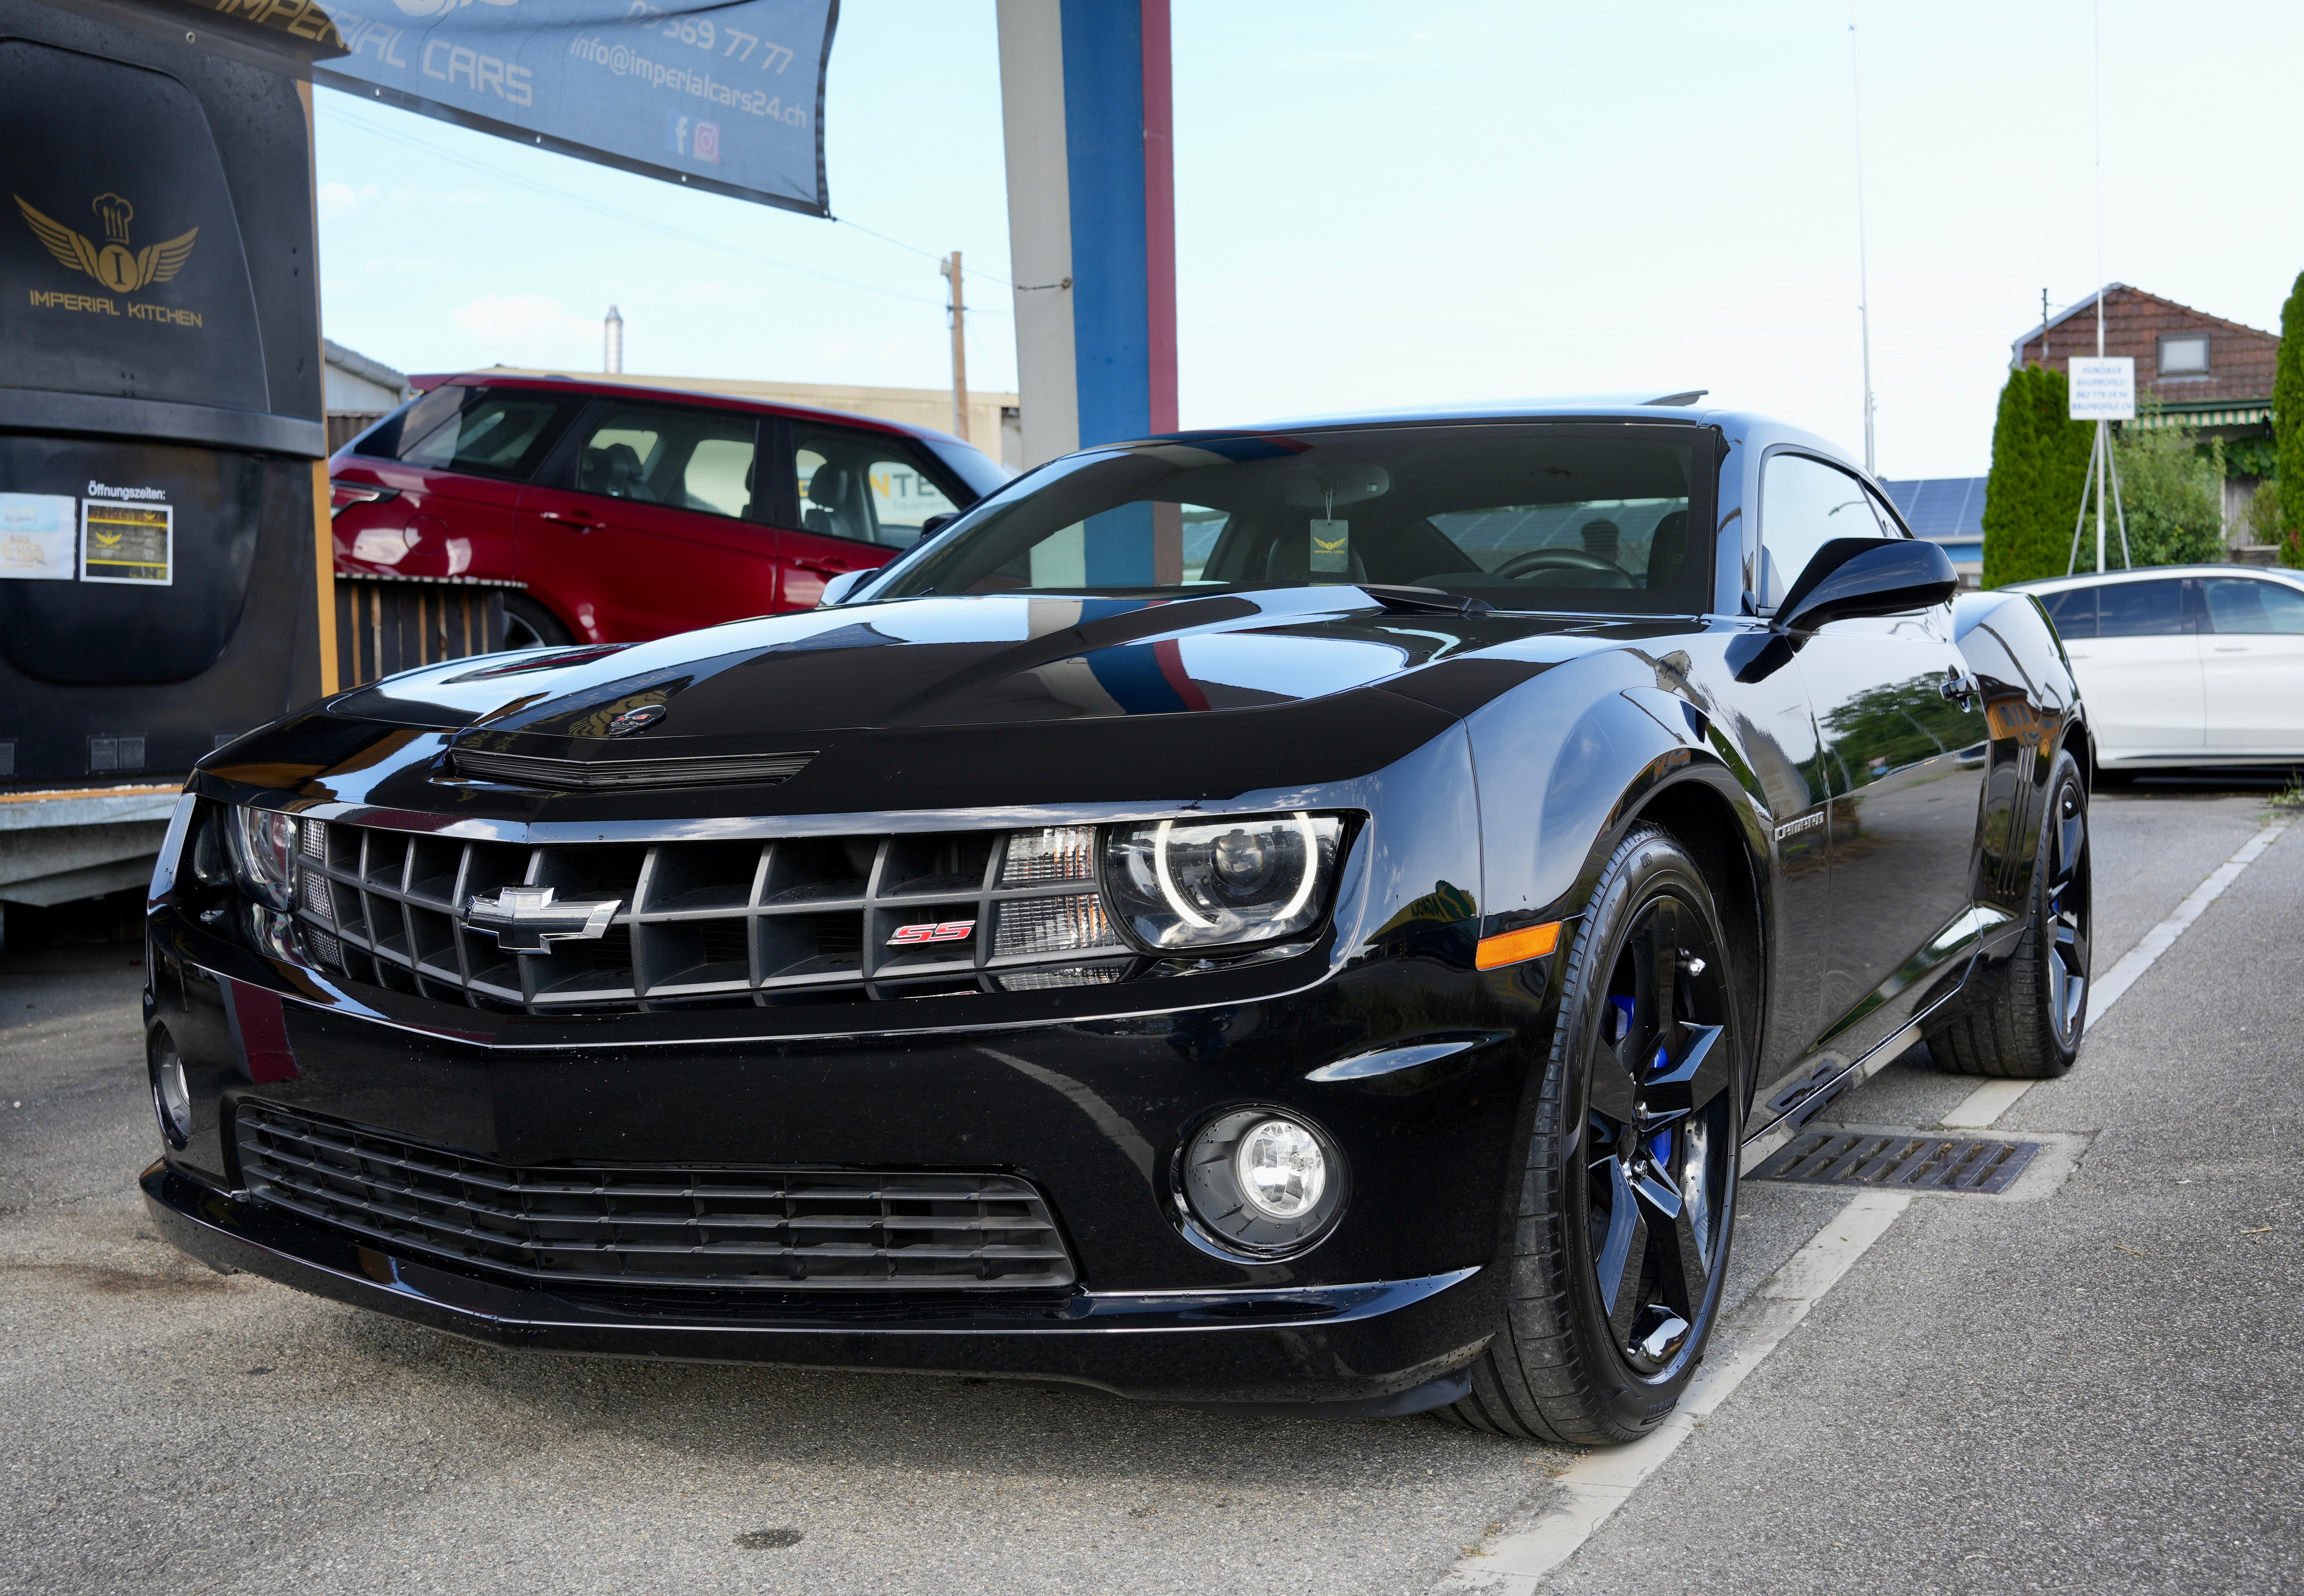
{"x": 2103, "y": 388}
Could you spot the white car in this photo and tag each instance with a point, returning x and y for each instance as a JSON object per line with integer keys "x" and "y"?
{"x": 2186, "y": 665}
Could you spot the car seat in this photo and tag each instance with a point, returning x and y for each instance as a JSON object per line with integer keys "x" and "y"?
{"x": 1667, "y": 548}
{"x": 616, "y": 470}
{"x": 831, "y": 507}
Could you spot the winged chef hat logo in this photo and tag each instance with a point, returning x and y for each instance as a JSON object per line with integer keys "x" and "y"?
{"x": 117, "y": 263}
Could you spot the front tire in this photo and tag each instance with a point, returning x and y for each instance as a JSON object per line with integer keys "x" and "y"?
{"x": 1627, "y": 1203}
{"x": 2027, "y": 1026}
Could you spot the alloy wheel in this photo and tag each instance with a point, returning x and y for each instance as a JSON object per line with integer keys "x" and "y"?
{"x": 1659, "y": 1155}
{"x": 2067, "y": 862}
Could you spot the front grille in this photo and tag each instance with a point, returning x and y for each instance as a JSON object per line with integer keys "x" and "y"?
{"x": 596, "y": 776}
{"x": 793, "y": 920}
{"x": 682, "y": 1226}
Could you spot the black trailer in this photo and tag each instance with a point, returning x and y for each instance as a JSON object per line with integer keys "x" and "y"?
{"x": 165, "y": 564}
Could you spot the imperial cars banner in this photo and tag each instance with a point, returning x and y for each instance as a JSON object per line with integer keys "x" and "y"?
{"x": 725, "y": 96}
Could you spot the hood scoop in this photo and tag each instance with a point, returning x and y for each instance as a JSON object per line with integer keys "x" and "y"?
{"x": 546, "y": 775}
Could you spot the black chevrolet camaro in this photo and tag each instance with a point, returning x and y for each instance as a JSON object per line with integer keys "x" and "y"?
{"x": 1311, "y": 919}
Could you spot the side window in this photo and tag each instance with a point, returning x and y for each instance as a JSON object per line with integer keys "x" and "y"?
{"x": 1804, "y": 504}
{"x": 863, "y": 486}
{"x": 670, "y": 454}
{"x": 2241, "y": 604}
{"x": 2141, "y": 608}
{"x": 490, "y": 432}
{"x": 2073, "y": 611}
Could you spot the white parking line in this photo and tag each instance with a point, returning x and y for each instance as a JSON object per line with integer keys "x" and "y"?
{"x": 1599, "y": 1482}
{"x": 1987, "y": 1103}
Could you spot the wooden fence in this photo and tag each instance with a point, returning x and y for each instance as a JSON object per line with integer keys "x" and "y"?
{"x": 388, "y": 624}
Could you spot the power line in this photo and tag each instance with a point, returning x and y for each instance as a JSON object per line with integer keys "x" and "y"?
{"x": 549, "y": 191}
{"x": 915, "y": 250}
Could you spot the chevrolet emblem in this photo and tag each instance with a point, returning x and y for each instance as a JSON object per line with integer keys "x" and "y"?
{"x": 526, "y": 919}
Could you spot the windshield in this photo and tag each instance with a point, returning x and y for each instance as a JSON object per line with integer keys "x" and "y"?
{"x": 1527, "y": 517}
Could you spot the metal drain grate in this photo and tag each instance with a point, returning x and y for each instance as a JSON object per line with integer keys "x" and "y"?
{"x": 1896, "y": 1162}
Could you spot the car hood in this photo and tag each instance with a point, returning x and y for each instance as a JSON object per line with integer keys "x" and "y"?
{"x": 993, "y": 699}
{"x": 989, "y": 661}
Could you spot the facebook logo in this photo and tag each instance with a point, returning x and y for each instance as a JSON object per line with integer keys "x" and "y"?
{"x": 675, "y": 132}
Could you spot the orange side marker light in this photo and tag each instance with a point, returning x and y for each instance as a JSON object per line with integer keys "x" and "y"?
{"x": 1514, "y": 947}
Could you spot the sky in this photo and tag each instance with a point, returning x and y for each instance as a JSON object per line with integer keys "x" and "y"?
{"x": 1382, "y": 205}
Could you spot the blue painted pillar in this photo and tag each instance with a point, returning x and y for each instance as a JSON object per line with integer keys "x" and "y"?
{"x": 1087, "y": 109}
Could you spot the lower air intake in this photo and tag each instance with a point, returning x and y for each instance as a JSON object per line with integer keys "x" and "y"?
{"x": 679, "y": 1225}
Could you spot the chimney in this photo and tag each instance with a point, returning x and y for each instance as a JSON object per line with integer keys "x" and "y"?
{"x": 613, "y": 327}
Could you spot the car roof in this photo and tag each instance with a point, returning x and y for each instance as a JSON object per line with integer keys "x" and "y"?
{"x": 2082, "y": 579}
{"x": 1750, "y": 428}
{"x": 609, "y": 387}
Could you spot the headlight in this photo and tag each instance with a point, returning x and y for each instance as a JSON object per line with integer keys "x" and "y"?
{"x": 1208, "y": 883}
{"x": 263, "y": 843}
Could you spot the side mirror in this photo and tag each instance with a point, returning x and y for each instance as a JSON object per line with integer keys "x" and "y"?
{"x": 837, "y": 589}
{"x": 1867, "y": 576}
{"x": 937, "y": 523}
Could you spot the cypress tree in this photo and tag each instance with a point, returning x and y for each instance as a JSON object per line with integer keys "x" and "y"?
{"x": 2039, "y": 467}
{"x": 2288, "y": 424}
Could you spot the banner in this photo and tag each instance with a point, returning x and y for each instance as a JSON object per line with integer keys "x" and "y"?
{"x": 725, "y": 96}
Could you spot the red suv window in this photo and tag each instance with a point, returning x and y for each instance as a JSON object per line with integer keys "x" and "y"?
{"x": 487, "y": 432}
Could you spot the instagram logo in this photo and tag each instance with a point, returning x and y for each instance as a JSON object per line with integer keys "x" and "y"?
{"x": 708, "y": 141}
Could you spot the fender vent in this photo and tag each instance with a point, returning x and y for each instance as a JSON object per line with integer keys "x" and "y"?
{"x": 622, "y": 776}
{"x": 1898, "y": 1162}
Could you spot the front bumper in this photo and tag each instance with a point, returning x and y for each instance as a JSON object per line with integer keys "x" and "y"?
{"x": 1367, "y": 1350}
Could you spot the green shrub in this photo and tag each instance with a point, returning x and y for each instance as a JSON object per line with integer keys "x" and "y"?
{"x": 2173, "y": 493}
{"x": 2039, "y": 464}
{"x": 2288, "y": 417}
{"x": 2263, "y": 518}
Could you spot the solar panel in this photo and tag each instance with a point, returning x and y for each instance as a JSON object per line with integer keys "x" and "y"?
{"x": 1938, "y": 508}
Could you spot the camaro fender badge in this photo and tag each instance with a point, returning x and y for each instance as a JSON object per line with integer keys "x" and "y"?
{"x": 1794, "y": 828}
{"x": 946, "y": 930}
{"x": 529, "y": 920}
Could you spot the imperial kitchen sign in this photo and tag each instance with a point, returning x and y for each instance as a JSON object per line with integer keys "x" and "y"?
{"x": 721, "y": 95}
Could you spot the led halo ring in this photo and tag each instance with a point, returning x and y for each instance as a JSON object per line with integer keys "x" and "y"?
{"x": 1168, "y": 882}
{"x": 1167, "y": 896}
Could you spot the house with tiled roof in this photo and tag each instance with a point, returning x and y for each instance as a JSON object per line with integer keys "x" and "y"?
{"x": 2209, "y": 374}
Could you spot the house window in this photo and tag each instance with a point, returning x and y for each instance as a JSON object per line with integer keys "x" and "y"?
{"x": 2184, "y": 354}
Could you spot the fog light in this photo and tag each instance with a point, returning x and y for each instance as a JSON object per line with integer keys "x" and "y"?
{"x": 172, "y": 1094}
{"x": 1259, "y": 1183}
{"x": 1280, "y": 1168}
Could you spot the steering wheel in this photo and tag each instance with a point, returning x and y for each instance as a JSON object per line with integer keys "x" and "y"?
{"x": 1546, "y": 559}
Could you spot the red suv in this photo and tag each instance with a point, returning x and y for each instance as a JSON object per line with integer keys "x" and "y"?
{"x": 629, "y": 513}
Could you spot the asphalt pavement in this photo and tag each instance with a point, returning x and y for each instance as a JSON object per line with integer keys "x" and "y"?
{"x": 2087, "y": 1385}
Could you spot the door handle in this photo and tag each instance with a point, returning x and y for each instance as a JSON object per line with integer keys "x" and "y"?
{"x": 1959, "y": 687}
{"x": 2230, "y": 647}
{"x": 824, "y": 570}
{"x": 583, "y": 523}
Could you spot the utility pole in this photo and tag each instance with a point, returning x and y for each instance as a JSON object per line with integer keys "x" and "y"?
{"x": 959, "y": 309}
{"x": 1863, "y": 273}
{"x": 2103, "y": 428}
{"x": 612, "y": 333}
{"x": 2044, "y": 326}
